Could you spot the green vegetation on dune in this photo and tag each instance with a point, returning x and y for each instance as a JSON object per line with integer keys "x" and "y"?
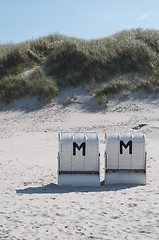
{"x": 36, "y": 83}
{"x": 57, "y": 61}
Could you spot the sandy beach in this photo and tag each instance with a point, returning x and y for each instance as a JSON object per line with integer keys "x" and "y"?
{"x": 33, "y": 206}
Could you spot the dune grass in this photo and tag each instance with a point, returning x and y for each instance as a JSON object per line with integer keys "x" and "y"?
{"x": 58, "y": 61}
{"x": 36, "y": 84}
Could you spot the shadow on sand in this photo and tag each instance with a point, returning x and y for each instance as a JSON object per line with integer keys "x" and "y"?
{"x": 55, "y": 189}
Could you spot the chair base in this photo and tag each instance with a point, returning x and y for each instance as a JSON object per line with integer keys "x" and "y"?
{"x": 79, "y": 180}
{"x": 125, "y": 178}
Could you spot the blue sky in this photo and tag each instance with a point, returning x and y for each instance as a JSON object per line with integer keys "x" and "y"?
{"x": 22, "y": 20}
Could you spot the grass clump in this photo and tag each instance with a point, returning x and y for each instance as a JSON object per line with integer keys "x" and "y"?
{"x": 102, "y": 100}
{"x": 113, "y": 87}
{"x": 150, "y": 85}
{"x": 13, "y": 87}
{"x": 124, "y": 85}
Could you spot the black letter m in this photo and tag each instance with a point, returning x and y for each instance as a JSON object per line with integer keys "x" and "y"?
{"x": 122, "y": 144}
{"x": 83, "y": 146}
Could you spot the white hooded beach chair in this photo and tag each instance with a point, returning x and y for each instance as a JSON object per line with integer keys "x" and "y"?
{"x": 125, "y": 158}
{"x": 78, "y": 159}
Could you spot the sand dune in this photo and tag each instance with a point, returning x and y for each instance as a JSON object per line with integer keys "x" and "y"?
{"x": 32, "y": 206}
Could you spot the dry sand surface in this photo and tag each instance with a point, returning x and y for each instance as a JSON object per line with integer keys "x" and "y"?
{"x": 32, "y": 206}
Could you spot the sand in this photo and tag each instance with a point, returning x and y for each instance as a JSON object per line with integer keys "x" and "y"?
{"x": 32, "y": 206}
